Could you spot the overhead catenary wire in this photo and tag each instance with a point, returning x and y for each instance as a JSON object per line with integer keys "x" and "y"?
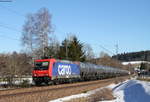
{"x": 107, "y": 49}
{"x": 3, "y": 25}
{"x": 7, "y": 37}
{"x": 11, "y": 10}
{"x": 10, "y": 28}
{"x": 104, "y": 48}
{"x": 5, "y": 0}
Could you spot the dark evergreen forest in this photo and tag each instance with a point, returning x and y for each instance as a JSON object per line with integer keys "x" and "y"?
{"x": 133, "y": 56}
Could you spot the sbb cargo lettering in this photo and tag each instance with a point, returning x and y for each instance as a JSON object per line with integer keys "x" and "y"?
{"x": 64, "y": 70}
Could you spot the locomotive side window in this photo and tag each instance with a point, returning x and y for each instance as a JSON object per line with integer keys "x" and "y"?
{"x": 41, "y": 65}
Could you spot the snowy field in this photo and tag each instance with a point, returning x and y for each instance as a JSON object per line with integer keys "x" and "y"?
{"x": 132, "y": 91}
{"x": 128, "y": 91}
{"x": 17, "y": 81}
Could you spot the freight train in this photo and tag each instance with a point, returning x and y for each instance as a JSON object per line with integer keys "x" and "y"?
{"x": 60, "y": 71}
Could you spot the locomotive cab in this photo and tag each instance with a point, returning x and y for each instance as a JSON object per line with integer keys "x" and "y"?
{"x": 42, "y": 71}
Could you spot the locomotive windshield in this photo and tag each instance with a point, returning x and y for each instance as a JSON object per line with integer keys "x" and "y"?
{"x": 41, "y": 65}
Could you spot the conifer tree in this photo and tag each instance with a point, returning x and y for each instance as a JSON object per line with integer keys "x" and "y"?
{"x": 75, "y": 50}
{"x": 63, "y": 52}
{"x": 72, "y": 50}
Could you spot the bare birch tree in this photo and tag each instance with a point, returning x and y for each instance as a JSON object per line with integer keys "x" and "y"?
{"x": 37, "y": 30}
{"x": 43, "y": 28}
{"x": 28, "y": 35}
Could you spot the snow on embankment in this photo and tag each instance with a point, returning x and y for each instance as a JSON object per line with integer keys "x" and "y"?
{"x": 132, "y": 91}
{"x": 128, "y": 91}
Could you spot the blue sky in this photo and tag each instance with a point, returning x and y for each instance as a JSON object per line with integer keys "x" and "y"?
{"x": 96, "y": 22}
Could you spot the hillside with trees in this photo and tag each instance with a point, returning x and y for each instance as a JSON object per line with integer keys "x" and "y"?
{"x": 133, "y": 56}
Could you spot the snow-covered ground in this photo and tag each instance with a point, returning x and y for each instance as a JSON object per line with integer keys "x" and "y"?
{"x": 17, "y": 81}
{"x": 67, "y": 98}
{"x": 135, "y": 62}
{"x": 132, "y": 91}
{"x": 128, "y": 91}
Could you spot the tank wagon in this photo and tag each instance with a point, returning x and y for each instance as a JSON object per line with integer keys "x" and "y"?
{"x": 61, "y": 71}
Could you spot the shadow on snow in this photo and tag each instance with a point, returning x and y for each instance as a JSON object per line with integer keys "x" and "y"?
{"x": 134, "y": 92}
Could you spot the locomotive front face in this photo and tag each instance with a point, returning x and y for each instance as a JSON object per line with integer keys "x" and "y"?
{"x": 41, "y": 69}
{"x": 42, "y": 72}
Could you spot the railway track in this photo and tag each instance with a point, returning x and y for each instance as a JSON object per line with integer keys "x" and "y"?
{"x": 49, "y": 89}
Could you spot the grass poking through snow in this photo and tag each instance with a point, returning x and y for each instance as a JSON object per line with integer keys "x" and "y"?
{"x": 103, "y": 94}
